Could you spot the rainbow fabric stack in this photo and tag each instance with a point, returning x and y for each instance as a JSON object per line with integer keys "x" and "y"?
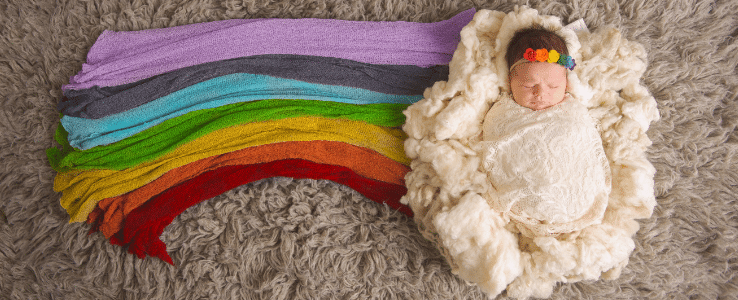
{"x": 159, "y": 120}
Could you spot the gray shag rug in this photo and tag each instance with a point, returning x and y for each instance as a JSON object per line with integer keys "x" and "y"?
{"x": 304, "y": 239}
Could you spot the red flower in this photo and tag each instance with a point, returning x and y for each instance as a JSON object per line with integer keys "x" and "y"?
{"x": 530, "y": 54}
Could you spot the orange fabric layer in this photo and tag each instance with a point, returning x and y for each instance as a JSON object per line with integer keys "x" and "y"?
{"x": 363, "y": 161}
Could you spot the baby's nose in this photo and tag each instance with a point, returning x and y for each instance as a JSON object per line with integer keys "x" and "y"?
{"x": 537, "y": 89}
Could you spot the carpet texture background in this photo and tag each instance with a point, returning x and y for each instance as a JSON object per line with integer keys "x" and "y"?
{"x": 305, "y": 239}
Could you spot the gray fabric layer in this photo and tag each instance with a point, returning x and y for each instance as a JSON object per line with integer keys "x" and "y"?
{"x": 305, "y": 239}
{"x": 98, "y": 102}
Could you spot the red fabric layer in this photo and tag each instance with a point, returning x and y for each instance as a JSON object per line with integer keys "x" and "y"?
{"x": 363, "y": 161}
{"x": 143, "y": 226}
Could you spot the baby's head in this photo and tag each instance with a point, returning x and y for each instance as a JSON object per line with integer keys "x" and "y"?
{"x": 542, "y": 83}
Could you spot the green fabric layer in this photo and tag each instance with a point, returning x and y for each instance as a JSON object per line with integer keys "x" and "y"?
{"x": 159, "y": 140}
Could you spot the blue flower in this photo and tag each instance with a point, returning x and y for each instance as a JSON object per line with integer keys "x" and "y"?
{"x": 570, "y": 64}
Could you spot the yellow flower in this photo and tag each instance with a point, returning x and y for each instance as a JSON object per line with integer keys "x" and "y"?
{"x": 553, "y": 56}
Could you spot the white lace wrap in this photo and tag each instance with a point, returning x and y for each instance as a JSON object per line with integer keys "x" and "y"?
{"x": 548, "y": 170}
{"x": 448, "y": 187}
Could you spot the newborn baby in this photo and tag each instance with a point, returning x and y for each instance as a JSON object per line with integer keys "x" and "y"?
{"x": 543, "y": 153}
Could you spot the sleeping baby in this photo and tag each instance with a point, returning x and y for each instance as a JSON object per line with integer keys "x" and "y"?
{"x": 542, "y": 153}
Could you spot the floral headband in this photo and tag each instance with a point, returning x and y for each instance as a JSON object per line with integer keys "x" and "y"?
{"x": 544, "y": 55}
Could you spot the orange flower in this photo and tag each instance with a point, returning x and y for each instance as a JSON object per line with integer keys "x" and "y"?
{"x": 541, "y": 55}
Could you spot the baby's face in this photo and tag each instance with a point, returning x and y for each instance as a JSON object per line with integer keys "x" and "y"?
{"x": 538, "y": 85}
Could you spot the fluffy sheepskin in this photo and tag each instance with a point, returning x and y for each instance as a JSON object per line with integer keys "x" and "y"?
{"x": 447, "y": 182}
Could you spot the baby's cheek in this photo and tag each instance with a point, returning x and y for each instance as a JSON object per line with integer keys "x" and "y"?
{"x": 559, "y": 95}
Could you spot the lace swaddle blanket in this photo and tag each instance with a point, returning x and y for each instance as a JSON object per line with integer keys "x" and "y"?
{"x": 548, "y": 169}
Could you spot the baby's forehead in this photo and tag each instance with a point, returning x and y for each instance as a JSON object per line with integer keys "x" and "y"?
{"x": 538, "y": 71}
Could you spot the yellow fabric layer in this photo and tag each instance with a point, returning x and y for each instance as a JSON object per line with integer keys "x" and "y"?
{"x": 82, "y": 190}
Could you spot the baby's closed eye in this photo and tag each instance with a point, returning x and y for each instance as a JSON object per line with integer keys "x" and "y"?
{"x": 530, "y": 86}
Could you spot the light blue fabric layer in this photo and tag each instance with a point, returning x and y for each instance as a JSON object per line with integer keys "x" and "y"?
{"x": 87, "y": 133}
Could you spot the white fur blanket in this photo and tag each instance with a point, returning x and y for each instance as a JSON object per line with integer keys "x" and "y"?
{"x": 447, "y": 185}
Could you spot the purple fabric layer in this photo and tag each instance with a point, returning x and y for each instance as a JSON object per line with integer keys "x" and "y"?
{"x": 122, "y": 57}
